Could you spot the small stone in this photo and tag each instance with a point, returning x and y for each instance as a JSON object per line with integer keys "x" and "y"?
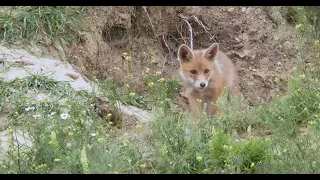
{"x": 286, "y": 44}
{"x": 231, "y": 9}
{"x": 72, "y": 76}
{"x": 243, "y": 9}
{"x": 24, "y": 63}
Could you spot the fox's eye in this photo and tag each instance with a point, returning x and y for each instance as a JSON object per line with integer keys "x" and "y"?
{"x": 206, "y": 71}
{"x": 193, "y": 71}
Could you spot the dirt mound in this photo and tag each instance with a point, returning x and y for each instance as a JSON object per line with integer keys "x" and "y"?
{"x": 152, "y": 35}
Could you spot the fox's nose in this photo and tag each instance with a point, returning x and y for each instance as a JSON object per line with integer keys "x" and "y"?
{"x": 202, "y": 84}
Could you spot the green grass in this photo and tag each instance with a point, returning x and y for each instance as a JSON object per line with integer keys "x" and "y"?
{"x": 306, "y": 18}
{"x": 178, "y": 143}
{"x": 69, "y": 137}
{"x": 25, "y": 23}
{"x": 159, "y": 93}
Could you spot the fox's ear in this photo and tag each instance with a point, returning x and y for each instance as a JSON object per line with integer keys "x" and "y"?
{"x": 184, "y": 53}
{"x": 212, "y": 51}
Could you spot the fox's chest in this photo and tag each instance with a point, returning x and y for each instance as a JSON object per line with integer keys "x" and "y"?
{"x": 208, "y": 92}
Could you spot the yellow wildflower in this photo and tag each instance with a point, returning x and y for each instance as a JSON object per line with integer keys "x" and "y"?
{"x": 161, "y": 80}
{"x": 138, "y": 126}
{"x": 143, "y": 165}
{"x": 252, "y": 165}
{"x": 109, "y": 115}
{"x": 100, "y": 140}
{"x": 151, "y": 84}
{"x": 299, "y": 26}
{"x": 199, "y": 158}
{"x": 294, "y": 68}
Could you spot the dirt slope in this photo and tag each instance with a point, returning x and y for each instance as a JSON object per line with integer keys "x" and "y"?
{"x": 246, "y": 34}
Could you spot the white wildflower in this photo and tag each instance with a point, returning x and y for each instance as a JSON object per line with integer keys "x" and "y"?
{"x": 89, "y": 122}
{"x": 51, "y": 115}
{"x": 64, "y": 116}
{"x": 37, "y": 116}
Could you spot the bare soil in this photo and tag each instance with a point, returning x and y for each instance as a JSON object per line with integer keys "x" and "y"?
{"x": 246, "y": 34}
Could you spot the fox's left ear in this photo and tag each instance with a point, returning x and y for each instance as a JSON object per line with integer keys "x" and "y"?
{"x": 184, "y": 53}
{"x": 212, "y": 51}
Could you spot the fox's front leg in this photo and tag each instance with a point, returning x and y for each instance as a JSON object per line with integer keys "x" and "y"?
{"x": 194, "y": 105}
{"x": 212, "y": 107}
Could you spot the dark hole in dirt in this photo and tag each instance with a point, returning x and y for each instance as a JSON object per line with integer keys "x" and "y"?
{"x": 115, "y": 35}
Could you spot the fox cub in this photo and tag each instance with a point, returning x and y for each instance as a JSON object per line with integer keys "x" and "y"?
{"x": 205, "y": 74}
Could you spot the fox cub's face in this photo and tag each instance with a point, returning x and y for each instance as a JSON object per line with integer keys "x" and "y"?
{"x": 196, "y": 67}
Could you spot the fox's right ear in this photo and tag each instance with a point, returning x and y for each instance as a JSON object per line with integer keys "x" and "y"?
{"x": 184, "y": 53}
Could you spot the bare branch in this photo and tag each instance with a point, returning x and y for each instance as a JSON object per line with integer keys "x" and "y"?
{"x": 165, "y": 43}
{"x": 145, "y": 10}
{"x": 204, "y": 27}
{"x": 191, "y": 36}
{"x": 170, "y": 53}
{"x": 179, "y": 31}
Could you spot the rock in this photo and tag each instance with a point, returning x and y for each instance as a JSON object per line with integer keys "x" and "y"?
{"x": 24, "y": 63}
{"x": 35, "y": 49}
{"x": 72, "y": 76}
{"x": 104, "y": 107}
{"x": 231, "y": 9}
{"x": 243, "y": 9}
{"x": 5, "y": 108}
{"x": 58, "y": 47}
{"x": 3, "y": 122}
{"x": 247, "y": 53}
{"x": 249, "y": 10}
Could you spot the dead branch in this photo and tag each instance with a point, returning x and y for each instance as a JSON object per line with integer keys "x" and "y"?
{"x": 204, "y": 27}
{"x": 179, "y": 31}
{"x": 145, "y": 10}
{"x": 170, "y": 53}
{"x": 164, "y": 63}
{"x": 191, "y": 36}
{"x": 165, "y": 43}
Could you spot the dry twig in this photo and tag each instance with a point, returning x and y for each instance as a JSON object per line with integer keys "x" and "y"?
{"x": 145, "y": 10}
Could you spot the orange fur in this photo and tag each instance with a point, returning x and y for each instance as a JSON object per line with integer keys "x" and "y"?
{"x": 205, "y": 74}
